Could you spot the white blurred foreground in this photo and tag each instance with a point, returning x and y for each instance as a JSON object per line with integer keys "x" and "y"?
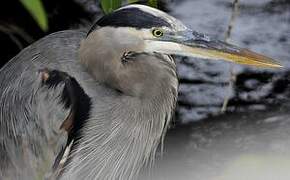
{"x": 252, "y": 146}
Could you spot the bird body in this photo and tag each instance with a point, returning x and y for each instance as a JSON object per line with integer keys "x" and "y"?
{"x": 95, "y": 105}
{"x": 43, "y": 115}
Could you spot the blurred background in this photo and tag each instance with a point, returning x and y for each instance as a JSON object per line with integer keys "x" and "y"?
{"x": 250, "y": 138}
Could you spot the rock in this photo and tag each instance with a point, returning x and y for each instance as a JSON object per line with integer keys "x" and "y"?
{"x": 204, "y": 84}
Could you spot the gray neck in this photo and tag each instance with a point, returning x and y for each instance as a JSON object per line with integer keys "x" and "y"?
{"x": 117, "y": 145}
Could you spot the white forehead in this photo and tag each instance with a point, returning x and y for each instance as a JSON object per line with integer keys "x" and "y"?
{"x": 178, "y": 25}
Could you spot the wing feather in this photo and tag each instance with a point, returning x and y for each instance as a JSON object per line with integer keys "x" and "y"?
{"x": 31, "y": 115}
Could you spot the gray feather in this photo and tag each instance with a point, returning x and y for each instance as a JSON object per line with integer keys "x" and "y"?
{"x": 30, "y": 115}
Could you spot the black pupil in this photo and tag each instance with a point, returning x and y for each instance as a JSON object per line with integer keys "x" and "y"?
{"x": 158, "y": 33}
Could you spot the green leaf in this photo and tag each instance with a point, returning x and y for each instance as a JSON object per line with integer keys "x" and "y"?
{"x": 110, "y": 5}
{"x": 36, "y": 10}
{"x": 132, "y": 1}
{"x": 153, "y": 3}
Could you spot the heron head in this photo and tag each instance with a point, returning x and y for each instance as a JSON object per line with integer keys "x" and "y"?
{"x": 150, "y": 32}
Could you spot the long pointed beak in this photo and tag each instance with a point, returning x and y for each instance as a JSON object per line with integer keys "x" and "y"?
{"x": 191, "y": 43}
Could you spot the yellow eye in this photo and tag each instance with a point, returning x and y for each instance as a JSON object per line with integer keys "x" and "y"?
{"x": 157, "y": 32}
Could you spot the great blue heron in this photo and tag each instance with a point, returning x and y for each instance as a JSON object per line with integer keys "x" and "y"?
{"x": 96, "y": 104}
